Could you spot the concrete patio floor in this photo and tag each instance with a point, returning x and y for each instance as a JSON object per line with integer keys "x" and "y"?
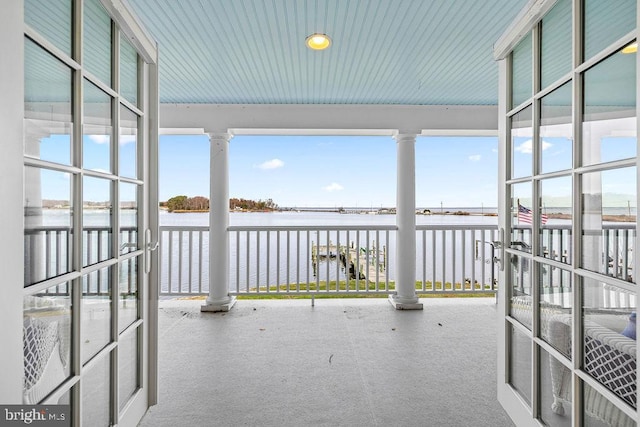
{"x": 343, "y": 362}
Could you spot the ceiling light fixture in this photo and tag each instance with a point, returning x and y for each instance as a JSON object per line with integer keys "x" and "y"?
{"x": 318, "y": 41}
{"x": 630, "y": 48}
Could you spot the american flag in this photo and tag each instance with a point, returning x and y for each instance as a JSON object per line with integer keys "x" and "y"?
{"x": 526, "y": 217}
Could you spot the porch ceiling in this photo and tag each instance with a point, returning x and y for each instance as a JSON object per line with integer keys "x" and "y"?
{"x": 428, "y": 52}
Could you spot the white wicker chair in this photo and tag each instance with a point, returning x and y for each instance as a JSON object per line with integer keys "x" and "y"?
{"x": 45, "y": 360}
{"x": 610, "y": 358}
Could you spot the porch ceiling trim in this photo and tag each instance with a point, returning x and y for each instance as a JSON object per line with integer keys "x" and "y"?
{"x": 331, "y": 119}
{"x": 132, "y": 27}
{"x": 529, "y": 16}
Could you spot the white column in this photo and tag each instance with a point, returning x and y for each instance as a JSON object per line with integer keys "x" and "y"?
{"x": 405, "y": 297}
{"x": 219, "y": 298}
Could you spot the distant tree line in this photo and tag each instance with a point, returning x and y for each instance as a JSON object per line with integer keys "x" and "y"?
{"x": 184, "y": 203}
{"x": 252, "y": 205}
{"x": 199, "y": 203}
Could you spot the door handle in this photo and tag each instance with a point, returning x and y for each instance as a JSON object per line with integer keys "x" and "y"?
{"x": 150, "y": 247}
{"x": 499, "y": 245}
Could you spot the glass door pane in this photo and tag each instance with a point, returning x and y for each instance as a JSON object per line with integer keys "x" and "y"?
{"x": 47, "y": 106}
{"x": 48, "y": 219}
{"x": 97, "y": 220}
{"x": 609, "y": 222}
{"x": 522, "y": 143}
{"x": 128, "y": 146}
{"x": 97, "y": 129}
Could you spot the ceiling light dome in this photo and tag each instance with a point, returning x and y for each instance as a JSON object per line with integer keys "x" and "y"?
{"x": 630, "y": 48}
{"x": 318, "y": 41}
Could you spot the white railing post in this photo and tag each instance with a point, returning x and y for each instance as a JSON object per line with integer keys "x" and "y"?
{"x": 219, "y": 298}
{"x": 405, "y": 297}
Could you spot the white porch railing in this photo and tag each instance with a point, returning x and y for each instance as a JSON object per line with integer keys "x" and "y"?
{"x": 338, "y": 260}
{"x": 312, "y": 260}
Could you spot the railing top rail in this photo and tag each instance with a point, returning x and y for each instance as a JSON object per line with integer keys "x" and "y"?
{"x": 48, "y": 228}
{"x": 605, "y": 226}
{"x": 456, "y": 227}
{"x": 184, "y": 228}
{"x": 313, "y": 228}
{"x": 40, "y": 228}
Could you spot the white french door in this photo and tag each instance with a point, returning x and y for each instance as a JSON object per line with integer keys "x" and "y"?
{"x": 568, "y": 207}
{"x": 90, "y": 213}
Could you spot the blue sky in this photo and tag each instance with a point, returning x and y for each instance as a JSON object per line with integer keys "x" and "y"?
{"x": 332, "y": 171}
{"x": 335, "y": 171}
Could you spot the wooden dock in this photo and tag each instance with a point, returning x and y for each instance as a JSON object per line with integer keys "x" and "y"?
{"x": 370, "y": 264}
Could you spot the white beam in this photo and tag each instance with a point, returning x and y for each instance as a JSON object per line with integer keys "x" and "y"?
{"x": 330, "y": 119}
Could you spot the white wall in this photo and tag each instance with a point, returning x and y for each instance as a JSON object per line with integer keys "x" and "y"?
{"x": 11, "y": 182}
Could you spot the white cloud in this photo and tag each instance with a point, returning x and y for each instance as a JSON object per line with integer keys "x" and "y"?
{"x": 127, "y": 139}
{"x": 334, "y": 186}
{"x": 271, "y": 164}
{"x": 100, "y": 139}
{"x": 475, "y": 157}
{"x": 527, "y": 146}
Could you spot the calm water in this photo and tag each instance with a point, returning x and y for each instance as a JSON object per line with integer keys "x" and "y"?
{"x": 315, "y": 219}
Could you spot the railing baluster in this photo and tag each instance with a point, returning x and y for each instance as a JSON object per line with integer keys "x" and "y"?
{"x": 444, "y": 260}
{"x": 328, "y": 261}
{"x": 268, "y": 260}
{"x": 308, "y": 258}
{"x": 278, "y": 261}
{"x": 89, "y": 249}
{"x": 474, "y": 234}
{"x": 357, "y": 267}
{"x": 247, "y": 260}
{"x": 258, "y": 250}
{"x": 200, "y": 236}
{"x": 387, "y": 269}
{"x": 288, "y": 261}
{"x": 453, "y": 257}
{"x": 377, "y": 252}
{"x": 434, "y": 264}
{"x": 317, "y": 261}
{"x": 58, "y": 261}
{"x": 297, "y": 260}
{"x": 170, "y": 261}
{"x": 180, "y": 243}
{"x": 367, "y": 273}
{"x": 463, "y": 279}
{"x": 424, "y": 260}
{"x": 625, "y": 255}
{"x": 337, "y": 261}
{"x": 47, "y": 250}
{"x": 237, "y": 263}
{"x": 483, "y": 257}
{"x": 190, "y": 259}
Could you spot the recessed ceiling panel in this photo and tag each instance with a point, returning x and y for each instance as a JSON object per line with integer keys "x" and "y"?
{"x": 429, "y": 52}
